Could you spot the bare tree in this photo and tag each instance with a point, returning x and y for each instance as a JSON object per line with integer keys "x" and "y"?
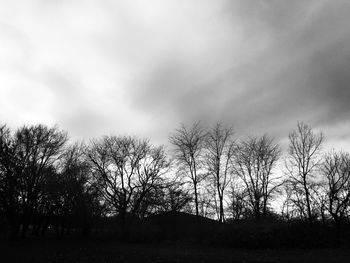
{"x": 219, "y": 151}
{"x": 207, "y": 202}
{"x": 336, "y": 168}
{"x": 293, "y": 202}
{"x": 302, "y": 163}
{"x": 38, "y": 148}
{"x": 127, "y": 170}
{"x": 173, "y": 197}
{"x": 9, "y": 180}
{"x": 254, "y": 160}
{"x": 320, "y": 200}
{"x": 78, "y": 197}
{"x": 27, "y": 159}
{"x": 188, "y": 145}
{"x": 238, "y": 205}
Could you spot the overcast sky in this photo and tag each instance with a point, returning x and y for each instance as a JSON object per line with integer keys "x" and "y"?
{"x": 143, "y": 67}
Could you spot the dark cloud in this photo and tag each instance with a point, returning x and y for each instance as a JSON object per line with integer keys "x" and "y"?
{"x": 260, "y": 65}
{"x": 300, "y": 72}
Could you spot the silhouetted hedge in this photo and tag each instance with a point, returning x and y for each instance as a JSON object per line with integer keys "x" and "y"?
{"x": 184, "y": 229}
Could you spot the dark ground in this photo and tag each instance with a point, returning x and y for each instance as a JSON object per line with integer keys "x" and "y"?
{"x": 101, "y": 251}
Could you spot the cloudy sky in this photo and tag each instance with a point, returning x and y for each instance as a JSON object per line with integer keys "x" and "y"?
{"x": 143, "y": 67}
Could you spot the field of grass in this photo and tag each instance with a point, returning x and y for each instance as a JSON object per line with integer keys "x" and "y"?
{"x": 96, "y": 251}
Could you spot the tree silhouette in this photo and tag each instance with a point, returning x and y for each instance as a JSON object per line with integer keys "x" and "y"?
{"x": 26, "y": 159}
{"x": 254, "y": 160}
{"x": 9, "y": 180}
{"x": 219, "y": 151}
{"x": 188, "y": 145}
{"x": 302, "y": 163}
{"x": 38, "y": 147}
{"x": 126, "y": 171}
{"x": 336, "y": 168}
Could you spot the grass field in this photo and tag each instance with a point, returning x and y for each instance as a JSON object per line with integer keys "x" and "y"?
{"x": 93, "y": 251}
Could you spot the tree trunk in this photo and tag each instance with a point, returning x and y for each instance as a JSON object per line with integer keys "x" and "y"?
{"x": 196, "y": 200}
{"x": 307, "y": 195}
{"x": 221, "y": 209}
{"x": 123, "y": 226}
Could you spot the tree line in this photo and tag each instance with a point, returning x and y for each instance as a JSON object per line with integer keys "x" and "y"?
{"x": 48, "y": 182}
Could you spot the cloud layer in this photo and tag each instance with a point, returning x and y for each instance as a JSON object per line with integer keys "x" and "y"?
{"x": 100, "y": 67}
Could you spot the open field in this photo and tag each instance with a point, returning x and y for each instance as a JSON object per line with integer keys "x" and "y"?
{"x": 93, "y": 251}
